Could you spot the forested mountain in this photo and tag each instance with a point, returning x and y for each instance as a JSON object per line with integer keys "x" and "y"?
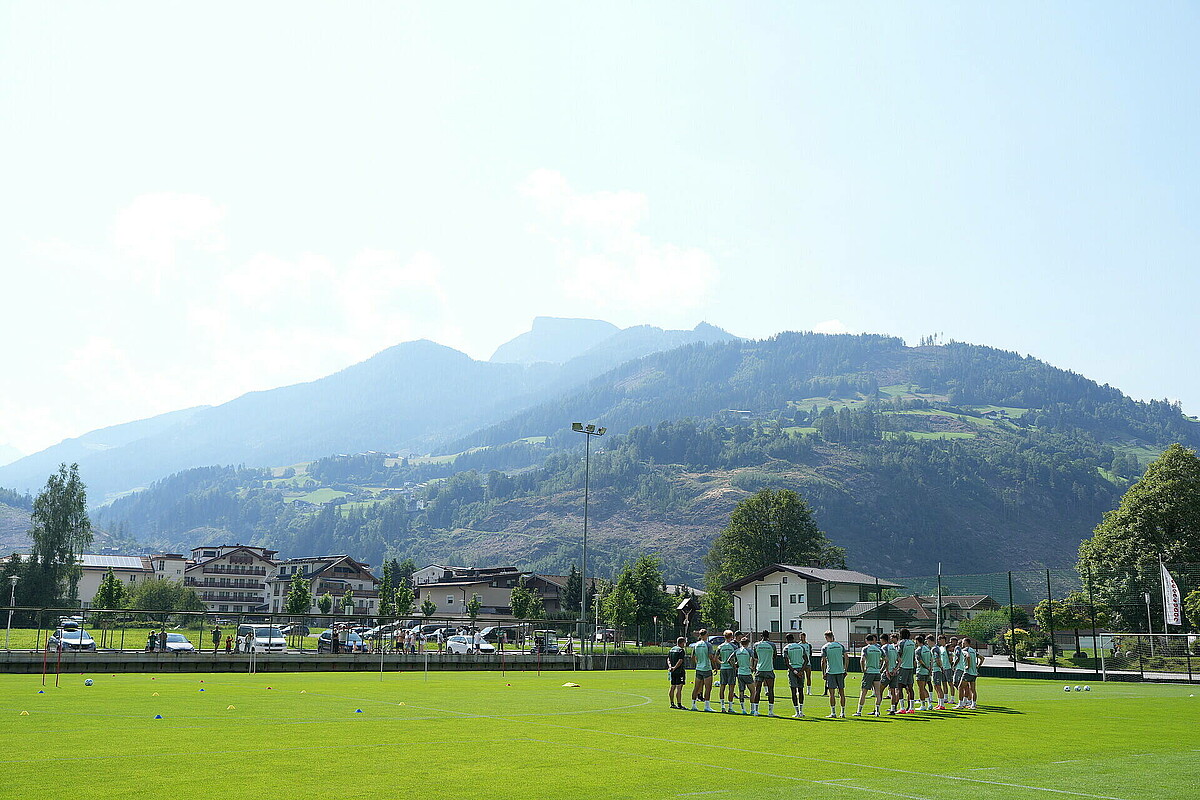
{"x": 409, "y": 397}
{"x": 975, "y": 457}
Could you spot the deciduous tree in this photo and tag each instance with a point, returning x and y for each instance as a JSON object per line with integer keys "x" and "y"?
{"x": 61, "y": 531}
{"x": 1159, "y": 517}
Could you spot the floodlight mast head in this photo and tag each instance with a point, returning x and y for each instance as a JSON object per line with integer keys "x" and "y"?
{"x": 577, "y": 426}
{"x": 590, "y": 429}
{"x": 600, "y": 431}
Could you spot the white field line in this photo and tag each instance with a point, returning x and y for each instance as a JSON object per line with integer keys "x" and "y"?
{"x": 253, "y": 750}
{"x": 777, "y": 755}
{"x": 741, "y": 770}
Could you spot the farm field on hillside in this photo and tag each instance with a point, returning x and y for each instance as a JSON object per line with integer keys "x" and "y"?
{"x": 325, "y": 735}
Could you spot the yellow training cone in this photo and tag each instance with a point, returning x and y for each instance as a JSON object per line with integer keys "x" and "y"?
{"x": 570, "y": 685}
{"x": 303, "y": 691}
{"x": 229, "y": 708}
{"x": 24, "y": 714}
{"x": 154, "y": 695}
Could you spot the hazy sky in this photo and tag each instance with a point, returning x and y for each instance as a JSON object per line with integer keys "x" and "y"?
{"x": 201, "y": 199}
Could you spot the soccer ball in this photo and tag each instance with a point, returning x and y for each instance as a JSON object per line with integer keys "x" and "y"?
{"x": 88, "y": 682}
{"x": 1079, "y": 688}
{"x": 1087, "y": 688}
{"x": 1066, "y": 688}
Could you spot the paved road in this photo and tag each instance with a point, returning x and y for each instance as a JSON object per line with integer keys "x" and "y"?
{"x": 1022, "y": 667}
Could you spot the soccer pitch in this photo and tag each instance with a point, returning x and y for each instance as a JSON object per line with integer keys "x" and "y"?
{"x": 481, "y": 734}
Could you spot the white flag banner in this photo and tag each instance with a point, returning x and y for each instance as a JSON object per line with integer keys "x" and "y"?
{"x": 1172, "y": 604}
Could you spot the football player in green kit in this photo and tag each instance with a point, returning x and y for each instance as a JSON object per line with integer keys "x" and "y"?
{"x": 763, "y": 662}
{"x": 833, "y": 665}
{"x": 872, "y": 670}
{"x": 970, "y": 671}
{"x": 797, "y": 660}
{"x": 924, "y": 670}
{"x": 891, "y": 670}
{"x": 745, "y": 676}
{"x": 941, "y": 663}
{"x": 908, "y": 669}
{"x": 702, "y": 653}
{"x": 808, "y": 655}
{"x": 725, "y": 651}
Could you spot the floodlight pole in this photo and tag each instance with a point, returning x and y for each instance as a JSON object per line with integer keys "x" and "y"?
{"x": 589, "y": 431}
{"x": 12, "y": 601}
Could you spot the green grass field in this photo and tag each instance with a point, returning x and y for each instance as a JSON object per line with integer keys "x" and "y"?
{"x": 523, "y": 735}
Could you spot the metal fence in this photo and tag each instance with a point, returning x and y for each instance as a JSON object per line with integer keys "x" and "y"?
{"x": 1107, "y": 624}
{"x": 217, "y": 634}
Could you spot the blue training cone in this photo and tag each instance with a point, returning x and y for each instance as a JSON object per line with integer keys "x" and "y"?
{"x": 358, "y": 711}
{"x": 158, "y": 716}
{"x": 40, "y": 691}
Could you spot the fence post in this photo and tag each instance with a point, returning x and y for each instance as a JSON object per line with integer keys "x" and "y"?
{"x": 1012, "y": 625}
{"x": 1095, "y": 637}
{"x": 1050, "y": 613}
{"x": 1141, "y": 668}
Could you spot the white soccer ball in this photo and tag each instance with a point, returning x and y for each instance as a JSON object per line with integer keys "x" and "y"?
{"x": 1066, "y": 688}
{"x": 1079, "y": 688}
{"x": 88, "y": 682}
{"x": 1087, "y": 688}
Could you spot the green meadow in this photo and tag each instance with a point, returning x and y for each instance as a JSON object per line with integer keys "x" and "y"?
{"x": 520, "y": 734}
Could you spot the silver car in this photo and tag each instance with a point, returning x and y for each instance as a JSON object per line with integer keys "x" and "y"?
{"x": 178, "y": 643}
{"x": 71, "y": 639}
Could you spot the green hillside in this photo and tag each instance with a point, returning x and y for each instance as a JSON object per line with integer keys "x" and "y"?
{"x": 970, "y": 456}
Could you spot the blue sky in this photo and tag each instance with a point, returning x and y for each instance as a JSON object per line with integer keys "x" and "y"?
{"x": 206, "y": 199}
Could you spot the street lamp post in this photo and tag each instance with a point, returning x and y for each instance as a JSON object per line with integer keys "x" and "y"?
{"x": 12, "y": 601}
{"x": 589, "y": 431}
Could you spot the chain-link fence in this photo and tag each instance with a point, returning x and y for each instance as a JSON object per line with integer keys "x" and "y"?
{"x": 214, "y": 635}
{"x": 1107, "y": 624}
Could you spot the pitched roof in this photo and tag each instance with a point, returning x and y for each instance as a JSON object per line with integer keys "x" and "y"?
{"x": 814, "y": 574}
{"x": 861, "y": 610}
{"x": 90, "y": 561}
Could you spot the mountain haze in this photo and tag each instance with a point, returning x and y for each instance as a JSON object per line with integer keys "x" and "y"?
{"x": 409, "y": 397}
{"x": 975, "y": 457}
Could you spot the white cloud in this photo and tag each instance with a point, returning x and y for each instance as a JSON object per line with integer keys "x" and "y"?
{"x": 607, "y": 262}
{"x": 830, "y": 326}
{"x": 150, "y": 230}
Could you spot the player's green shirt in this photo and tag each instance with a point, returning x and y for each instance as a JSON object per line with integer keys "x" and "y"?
{"x": 765, "y": 651}
{"x": 724, "y": 651}
{"x": 807, "y": 652}
{"x": 834, "y": 655}
{"x": 891, "y": 654}
{"x": 742, "y": 655}
{"x": 947, "y": 663}
{"x": 702, "y": 650}
{"x": 872, "y": 658}
{"x": 970, "y": 661}
{"x": 797, "y": 658}
{"x": 908, "y": 652}
{"x": 924, "y": 659}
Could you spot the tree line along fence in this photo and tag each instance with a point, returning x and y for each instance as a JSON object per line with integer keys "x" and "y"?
{"x": 1042, "y": 623}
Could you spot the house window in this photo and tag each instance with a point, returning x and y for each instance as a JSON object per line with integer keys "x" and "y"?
{"x": 792, "y": 599}
{"x": 785, "y": 578}
{"x": 774, "y": 601}
{"x": 795, "y": 624}
{"x": 775, "y": 626}
{"x": 449, "y": 599}
{"x": 222, "y": 608}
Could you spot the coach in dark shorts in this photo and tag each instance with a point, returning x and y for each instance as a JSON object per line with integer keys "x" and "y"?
{"x": 677, "y": 671}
